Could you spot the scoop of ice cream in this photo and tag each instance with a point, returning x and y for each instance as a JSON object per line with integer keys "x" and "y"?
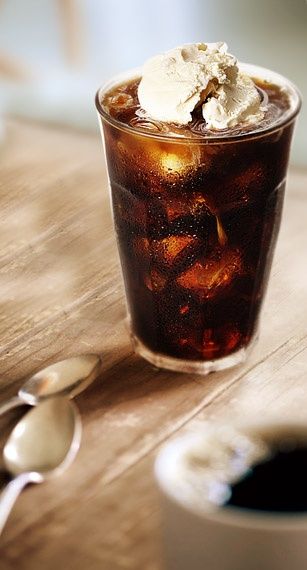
{"x": 233, "y": 103}
{"x": 173, "y": 84}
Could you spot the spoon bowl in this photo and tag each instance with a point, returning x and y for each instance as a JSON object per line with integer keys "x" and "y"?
{"x": 43, "y": 443}
{"x": 65, "y": 378}
{"x": 45, "y": 440}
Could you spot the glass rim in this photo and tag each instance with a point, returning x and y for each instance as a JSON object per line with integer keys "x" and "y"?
{"x": 250, "y": 69}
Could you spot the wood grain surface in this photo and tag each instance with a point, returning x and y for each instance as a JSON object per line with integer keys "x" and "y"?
{"x": 61, "y": 294}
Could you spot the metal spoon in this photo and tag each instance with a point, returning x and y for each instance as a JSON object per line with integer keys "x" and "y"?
{"x": 68, "y": 377}
{"x": 43, "y": 443}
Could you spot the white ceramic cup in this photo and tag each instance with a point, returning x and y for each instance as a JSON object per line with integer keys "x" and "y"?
{"x": 199, "y": 538}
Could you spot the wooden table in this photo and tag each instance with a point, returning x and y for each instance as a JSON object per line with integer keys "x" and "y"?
{"x": 61, "y": 294}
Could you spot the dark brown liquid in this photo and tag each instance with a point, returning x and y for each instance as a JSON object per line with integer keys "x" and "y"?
{"x": 277, "y": 484}
{"x": 196, "y": 226}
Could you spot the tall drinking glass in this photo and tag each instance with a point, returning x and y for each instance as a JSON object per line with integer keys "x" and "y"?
{"x": 196, "y": 219}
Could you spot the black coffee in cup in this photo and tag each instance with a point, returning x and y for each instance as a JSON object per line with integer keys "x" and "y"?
{"x": 277, "y": 484}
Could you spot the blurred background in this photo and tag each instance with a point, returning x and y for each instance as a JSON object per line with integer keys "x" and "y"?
{"x": 55, "y": 53}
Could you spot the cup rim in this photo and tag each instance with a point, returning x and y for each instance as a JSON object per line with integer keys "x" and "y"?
{"x": 250, "y": 69}
{"x": 232, "y": 516}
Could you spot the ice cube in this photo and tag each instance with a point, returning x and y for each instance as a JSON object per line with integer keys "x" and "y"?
{"x": 166, "y": 250}
{"x": 154, "y": 280}
{"x": 242, "y": 188}
{"x": 169, "y": 255}
{"x": 120, "y": 101}
{"x": 233, "y": 336}
{"x": 252, "y": 177}
{"x": 225, "y": 338}
{"x": 149, "y": 165}
{"x": 172, "y": 160}
{"x": 175, "y": 207}
{"x": 173, "y": 163}
{"x": 182, "y": 335}
{"x": 185, "y": 204}
{"x": 141, "y": 247}
{"x": 207, "y": 278}
{"x": 209, "y": 345}
{"x": 222, "y": 236}
{"x": 135, "y": 166}
{"x": 242, "y": 224}
{"x": 146, "y": 124}
{"x": 156, "y": 222}
{"x": 129, "y": 208}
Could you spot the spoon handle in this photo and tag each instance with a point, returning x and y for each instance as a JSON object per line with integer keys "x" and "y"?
{"x": 10, "y": 404}
{"x": 10, "y": 494}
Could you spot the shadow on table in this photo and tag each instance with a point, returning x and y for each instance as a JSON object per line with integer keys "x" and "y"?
{"x": 130, "y": 379}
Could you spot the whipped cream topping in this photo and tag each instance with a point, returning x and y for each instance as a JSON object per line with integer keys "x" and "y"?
{"x": 173, "y": 84}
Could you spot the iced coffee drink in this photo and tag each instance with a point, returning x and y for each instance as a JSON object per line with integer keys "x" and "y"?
{"x": 197, "y": 148}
